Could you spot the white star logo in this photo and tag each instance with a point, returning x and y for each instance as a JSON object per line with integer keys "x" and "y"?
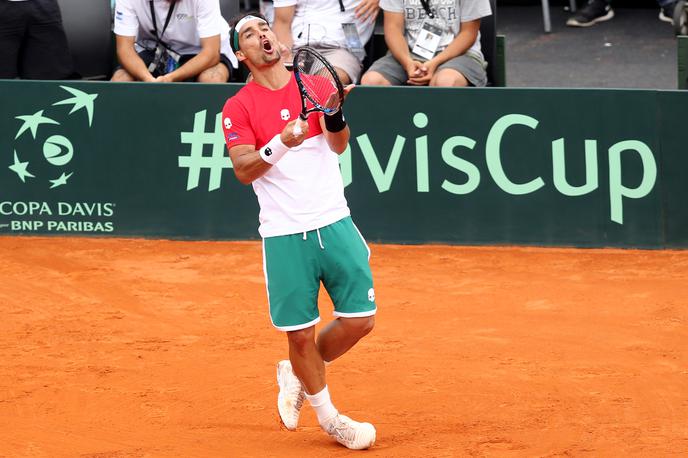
{"x": 32, "y": 122}
{"x": 79, "y": 101}
{"x": 20, "y": 169}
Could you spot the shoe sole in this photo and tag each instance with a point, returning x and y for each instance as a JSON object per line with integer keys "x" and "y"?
{"x": 573, "y": 23}
{"x": 284, "y": 425}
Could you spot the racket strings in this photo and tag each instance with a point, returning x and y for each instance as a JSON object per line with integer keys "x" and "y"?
{"x": 317, "y": 80}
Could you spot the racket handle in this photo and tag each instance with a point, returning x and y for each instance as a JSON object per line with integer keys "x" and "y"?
{"x": 297, "y": 126}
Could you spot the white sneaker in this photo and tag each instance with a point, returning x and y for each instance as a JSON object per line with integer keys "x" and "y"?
{"x": 291, "y": 395}
{"x": 350, "y": 433}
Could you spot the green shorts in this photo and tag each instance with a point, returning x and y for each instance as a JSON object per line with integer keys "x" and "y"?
{"x": 294, "y": 266}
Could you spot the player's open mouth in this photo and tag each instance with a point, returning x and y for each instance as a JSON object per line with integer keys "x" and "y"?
{"x": 267, "y": 46}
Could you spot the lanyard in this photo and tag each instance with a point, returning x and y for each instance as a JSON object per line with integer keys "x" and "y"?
{"x": 426, "y": 7}
{"x": 167, "y": 19}
{"x": 341, "y": 6}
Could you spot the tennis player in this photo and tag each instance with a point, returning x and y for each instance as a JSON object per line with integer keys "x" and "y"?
{"x": 308, "y": 235}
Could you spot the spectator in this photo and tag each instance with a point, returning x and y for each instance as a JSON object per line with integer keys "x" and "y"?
{"x": 172, "y": 40}
{"x": 431, "y": 42}
{"x": 337, "y": 29}
{"x": 34, "y": 45}
{"x": 601, "y": 10}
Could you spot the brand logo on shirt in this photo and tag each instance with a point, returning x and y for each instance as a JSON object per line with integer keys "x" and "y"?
{"x": 228, "y": 123}
{"x": 183, "y": 17}
{"x": 284, "y": 114}
{"x": 371, "y": 295}
{"x": 232, "y": 136}
{"x": 268, "y": 152}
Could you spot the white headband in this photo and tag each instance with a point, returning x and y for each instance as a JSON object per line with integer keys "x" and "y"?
{"x": 243, "y": 22}
{"x": 239, "y": 25}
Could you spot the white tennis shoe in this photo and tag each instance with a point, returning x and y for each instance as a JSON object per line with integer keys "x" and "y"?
{"x": 350, "y": 433}
{"x": 291, "y": 395}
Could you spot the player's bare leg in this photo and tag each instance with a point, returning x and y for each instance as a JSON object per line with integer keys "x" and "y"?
{"x": 341, "y": 334}
{"x": 308, "y": 366}
{"x": 306, "y": 360}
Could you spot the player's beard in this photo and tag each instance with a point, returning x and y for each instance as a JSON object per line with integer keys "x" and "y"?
{"x": 271, "y": 58}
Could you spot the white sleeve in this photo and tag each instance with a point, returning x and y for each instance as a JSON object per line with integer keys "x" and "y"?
{"x": 393, "y": 6}
{"x": 475, "y": 9}
{"x": 208, "y": 18}
{"x": 126, "y": 21}
{"x": 283, "y": 3}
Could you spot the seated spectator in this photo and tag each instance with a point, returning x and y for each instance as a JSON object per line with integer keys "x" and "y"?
{"x": 33, "y": 44}
{"x": 431, "y": 43}
{"x": 601, "y": 10}
{"x": 338, "y": 29}
{"x": 172, "y": 40}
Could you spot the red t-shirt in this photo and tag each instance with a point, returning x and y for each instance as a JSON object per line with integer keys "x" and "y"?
{"x": 304, "y": 190}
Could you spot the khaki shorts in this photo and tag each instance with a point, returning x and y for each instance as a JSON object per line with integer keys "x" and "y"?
{"x": 343, "y": 59}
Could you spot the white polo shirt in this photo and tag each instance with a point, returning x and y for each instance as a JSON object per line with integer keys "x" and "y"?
{"x": 191, "y": 20}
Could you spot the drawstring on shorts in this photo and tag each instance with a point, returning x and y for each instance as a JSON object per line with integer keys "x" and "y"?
{"x": 319, "y": 239}
{"x": 305, "y": 237}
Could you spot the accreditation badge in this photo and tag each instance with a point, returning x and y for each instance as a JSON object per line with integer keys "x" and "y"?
{"x": 428, "y": 40}
{"x": 353, "y": 40}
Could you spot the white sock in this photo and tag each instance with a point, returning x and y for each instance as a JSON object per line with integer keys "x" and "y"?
{"x": 322, "y": 404}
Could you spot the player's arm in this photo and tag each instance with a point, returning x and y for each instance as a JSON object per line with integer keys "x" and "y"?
{"x": 130, "y": 60}
{"x": 334, "y": 126}
{"x": 337, "y": 141}
{"x": 247, "y": 163}
{"x": 208, "y": 57}
{"x": 284, "y": 15}
{"x": 250, "y": 164}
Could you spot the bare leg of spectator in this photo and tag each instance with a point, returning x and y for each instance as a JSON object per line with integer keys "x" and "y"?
{"x": 215, "y": 74}
{"x": 343, "y": 76}
{"x": 121, "y": 75}
{"x": 374, "y": 79}
{"x": 448, "y": 78}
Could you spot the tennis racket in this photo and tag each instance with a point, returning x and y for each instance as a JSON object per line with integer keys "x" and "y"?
{"x": 318, "y": 83}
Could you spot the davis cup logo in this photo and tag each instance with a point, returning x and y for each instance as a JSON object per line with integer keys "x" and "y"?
{"x": 44, "y": 151}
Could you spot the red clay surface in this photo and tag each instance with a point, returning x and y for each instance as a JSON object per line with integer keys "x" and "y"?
{"x": 114, "y": 348}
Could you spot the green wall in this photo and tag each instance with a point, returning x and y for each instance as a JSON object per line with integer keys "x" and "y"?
{"x": 467, "y": 166}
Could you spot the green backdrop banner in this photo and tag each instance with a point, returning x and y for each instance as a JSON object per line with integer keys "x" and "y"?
{"x": 468, "y": 166}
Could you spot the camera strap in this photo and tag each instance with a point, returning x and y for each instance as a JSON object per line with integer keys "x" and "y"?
{"x": 167, "y": 19}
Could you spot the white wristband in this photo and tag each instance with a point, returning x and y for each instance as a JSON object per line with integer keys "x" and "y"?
{"x": 273, "y": 150}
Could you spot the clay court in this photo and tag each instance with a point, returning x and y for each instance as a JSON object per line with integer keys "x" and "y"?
{"x": 121, "y": 347}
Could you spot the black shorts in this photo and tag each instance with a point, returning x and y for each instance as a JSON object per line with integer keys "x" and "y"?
{"x": 148, "y": 55}
{"x": 33, "y": 44}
